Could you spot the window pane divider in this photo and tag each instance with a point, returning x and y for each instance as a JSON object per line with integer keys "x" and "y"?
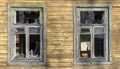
{"x": 27, "y": 42}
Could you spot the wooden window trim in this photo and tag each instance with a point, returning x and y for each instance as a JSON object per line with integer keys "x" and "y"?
{"x": 42, "y": 9}
{"x": 76, "y": 26}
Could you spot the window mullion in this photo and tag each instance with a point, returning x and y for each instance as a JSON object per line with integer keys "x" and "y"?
{"x": 92, "y": 42}
{"x": 27, "y": 42}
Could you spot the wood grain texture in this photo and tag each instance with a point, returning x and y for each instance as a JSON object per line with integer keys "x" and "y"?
{"x": 60, "y": 34}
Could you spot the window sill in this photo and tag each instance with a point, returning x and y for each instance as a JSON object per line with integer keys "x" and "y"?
{"x": 93, "y": 63}
{"x": 26, "y": 62}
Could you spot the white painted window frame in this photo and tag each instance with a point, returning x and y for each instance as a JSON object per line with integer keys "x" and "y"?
{"x": 12, "y": 8}
{"x": 77, "y": 26}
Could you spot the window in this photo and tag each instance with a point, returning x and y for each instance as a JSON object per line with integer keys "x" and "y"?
{"x": 26, "y": 28}
{"x": 92, "y": 34}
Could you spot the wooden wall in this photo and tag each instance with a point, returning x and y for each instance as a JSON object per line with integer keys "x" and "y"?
{"x": 59, "y": 31}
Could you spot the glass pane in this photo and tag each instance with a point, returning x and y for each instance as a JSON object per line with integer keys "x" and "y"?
{"x": 92, "y": 17}
{"x": 99, "y": 30}
{"x": 20, "y": 45}
{"x": 85, "y": 30}
{"x": 20, "y": 30}
{"x": 34, "y": 46}
{"x": 99, "y": 45}
{"x": 85, "y": 45}
{"x": 35, "y": 30}
{"x": 27, "y": 17}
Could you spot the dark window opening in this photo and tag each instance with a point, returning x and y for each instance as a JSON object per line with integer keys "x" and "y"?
{"x": 99, "y": 45}
{"x": 27, "y": 17}
{"x": 20, "y": 46}
{"x": 34, "y": 46}
{"x": 92, "y": 17}
{"x": 85, "y": 30}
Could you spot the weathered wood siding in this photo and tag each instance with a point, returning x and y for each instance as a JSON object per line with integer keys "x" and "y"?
{"x": 59, "y": 24}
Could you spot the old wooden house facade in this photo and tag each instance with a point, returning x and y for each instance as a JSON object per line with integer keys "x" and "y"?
{"x": 59, "y": 34}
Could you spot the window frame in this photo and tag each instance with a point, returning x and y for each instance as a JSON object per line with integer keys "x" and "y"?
{"x": 77, "y": 29}
{"x": 29, "y": 7}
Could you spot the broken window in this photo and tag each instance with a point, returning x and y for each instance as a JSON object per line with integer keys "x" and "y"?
{"x": 91, "y": 34}
{"x": 27, "y": 35}
{"x": 92, "y": 17}
{"x": 27, "y": 17}
{"x": 28, "y": 43}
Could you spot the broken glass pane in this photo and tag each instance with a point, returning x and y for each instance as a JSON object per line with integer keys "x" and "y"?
{"x": 35, "y": 30}
{"x": 99, "y": 30}
{"x": 85, "y": 30}
{"x": 27, "y": 17}
{"x": 34, "y": 50}
{"x": 85, "y": 46}
{"x": 20, "y": 45}
{"x": 99, "y": 45}
{"x": 92, "y": 17}
{"x": 20, "y": 30}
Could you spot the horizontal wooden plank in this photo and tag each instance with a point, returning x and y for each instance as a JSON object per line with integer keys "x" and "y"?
{"x": 2, "y": 3}
{"x": 3, "y": 56}
{"x": 3, "y": 41}
{"x": 3, "y": 37}
{"x": 59, "y": 9}
{"x": 59, "y": 60}
{"x": 3, "y": 9}
{"x": 3, "y": 51}
{"x": 60, "y": 55}
{"x": 116, "y": 4}
{"x": 115, "y": 0}
{"x": 3, "y": 30}
{"x": 59, "y": 47}
{"x": 3, "y": 13}
{"x": 48, "y": 67}
{"x": 59, "y": 1}
{"x": 91, "y": 2}
{"x": 60, "y": 17}
{"x": 116, "y": 13}
{"x": 4, "y": 24}
{"x": 61, "y": 25}
{"x": 115, "y": 21}
{"x": 60, "y": 64}
{"x": 115, "y": 9}
{"x": 3, "y": 60}
{"x": 3, "y": 47}
{"x": 58, "y": 4}
{"x": 61, "y": 43}
{"x": 115, "y": 17}
{"x": 3, "y": 34}
{"x": 60, "y": 39}
{"x": 2, "y": 21}
{"x": 60, "y": 21}
{"x": 70, "y": 67}
{"x": 59, "y": 51}
{"x": 59, "y": 34}
{"x": 2, "y": 64}
{"x": 29, "y": 1}
{"x": 60, "y": 30}
{"x": 59, "y": 13}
